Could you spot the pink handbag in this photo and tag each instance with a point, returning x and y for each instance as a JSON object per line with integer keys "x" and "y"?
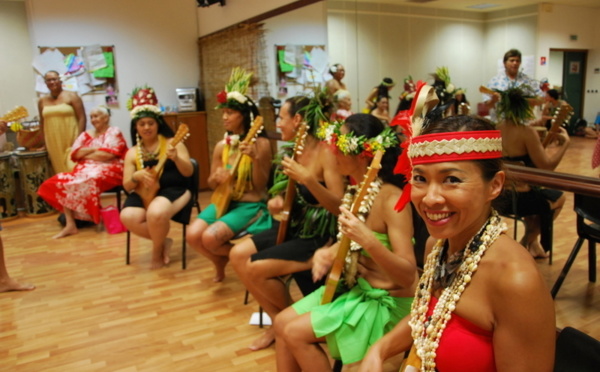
{"x": 111, "y": 220}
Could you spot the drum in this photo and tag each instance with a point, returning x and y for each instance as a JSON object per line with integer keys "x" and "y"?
{"x": 30, "y": 136}
{"x": 8, "y": 200}
{"x": 34, "y": 168}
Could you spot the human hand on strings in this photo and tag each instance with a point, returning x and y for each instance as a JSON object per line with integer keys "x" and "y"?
{"x": 322, "y": 261}
{"x": 295, "y": 170}
{"x": 249, "y": 148}
{"x": 171, "y": 152}
{"x": 354, "y": 228}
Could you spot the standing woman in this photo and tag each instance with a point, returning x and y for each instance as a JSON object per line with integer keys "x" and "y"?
{"x": 380, "y": 273}
{"x": 208, "y": 234}
{"x": 153, "y": 136}
{"x": 260, "y": 262}
{"x": 62, "y": 119}
{"x": 99, "y": 156}
{"x": 481, "y": 303}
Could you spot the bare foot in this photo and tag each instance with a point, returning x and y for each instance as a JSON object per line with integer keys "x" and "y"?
{"x": 157, "y": 264}
{"x": 536, "y": 250}
{"x": 12, "y": 285}
{"x": 263, "y": 341}
{"x": 167, "y": 250}
{"x": 220, "y": 268}
{"x": 66, "y": 232}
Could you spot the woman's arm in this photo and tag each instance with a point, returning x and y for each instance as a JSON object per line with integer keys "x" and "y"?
{"x": 330, "y": 195}
{"x": 393, "y": 343}
{"x": 523, "y": 311}
{"x": 262, "y": 158}
{"x": 130, "y": 181}
{"x": 181, "y": 157}
{"x": 218, "y": 173}
{"x": 370, "y": 101}
{"x": 77, "y": 104}
{"x": 538, "y": 154}
{"x": 400, "y": 264}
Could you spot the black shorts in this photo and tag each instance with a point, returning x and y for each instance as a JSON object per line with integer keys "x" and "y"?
{"x": 171, "y": 193}
{"x": 300, "y": 250}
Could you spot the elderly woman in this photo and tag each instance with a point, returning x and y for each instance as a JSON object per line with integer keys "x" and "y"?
{"x": 481, "y": 303}
{"x": 147, "y": 213}
{"x": 99, "y": 156}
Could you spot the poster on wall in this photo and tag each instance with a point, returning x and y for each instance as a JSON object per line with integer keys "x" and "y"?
{"x": 83, "y": 69}
{"x": 304, "y": 65}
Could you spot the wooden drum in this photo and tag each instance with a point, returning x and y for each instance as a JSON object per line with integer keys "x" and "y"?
{"x": 34, "y": 169}
{"x": 8, "y": 201}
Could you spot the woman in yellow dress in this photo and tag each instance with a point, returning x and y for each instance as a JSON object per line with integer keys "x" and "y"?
{"x": 62, "y": 119}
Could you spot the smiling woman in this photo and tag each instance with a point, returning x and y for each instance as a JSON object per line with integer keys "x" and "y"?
{"x": 459, "y": 300}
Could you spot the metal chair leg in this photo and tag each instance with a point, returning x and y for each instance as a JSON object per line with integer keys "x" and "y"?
{"x": 592, "y": 261}
{"x": 566, "y": 268}
{"x": 128, "y": 247}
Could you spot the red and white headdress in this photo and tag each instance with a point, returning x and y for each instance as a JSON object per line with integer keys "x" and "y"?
{"x": 437, "y": 147}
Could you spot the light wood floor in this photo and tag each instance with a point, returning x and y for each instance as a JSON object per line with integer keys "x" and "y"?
{"x": 91, "y": 312}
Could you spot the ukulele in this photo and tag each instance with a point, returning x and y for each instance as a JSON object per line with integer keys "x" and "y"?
{"x": 485, "y": 90}
{"x": 15, "y": 114}
{"x": 221, "y": 197}
{"x": 147, "y": 193}
{"x": 562, "y": 114}
{"x": 290, "y": 190}
{"x": 340, "y": 258}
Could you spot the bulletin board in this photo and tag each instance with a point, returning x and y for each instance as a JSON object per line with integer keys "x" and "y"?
{"x": 102, "y": 80}
{"x": 301, "y": 64}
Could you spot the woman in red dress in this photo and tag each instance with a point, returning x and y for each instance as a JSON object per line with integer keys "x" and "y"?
{"x": 99, "y": 155}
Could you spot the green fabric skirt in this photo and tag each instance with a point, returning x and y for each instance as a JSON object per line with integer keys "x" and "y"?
{"x": 355, "y": 320}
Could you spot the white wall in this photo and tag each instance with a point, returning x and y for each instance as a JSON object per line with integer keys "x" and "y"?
{"x": 556, "y": 24}
{"x": 155, "y": 41}
{"x": 375, "y": 40}
{"x": 15, "y": 61}
{"x": 304, "y": 26}
{"x": 216, "y": 17}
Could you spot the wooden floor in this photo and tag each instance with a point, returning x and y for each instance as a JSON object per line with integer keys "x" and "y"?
{"x": 91, "y": 312}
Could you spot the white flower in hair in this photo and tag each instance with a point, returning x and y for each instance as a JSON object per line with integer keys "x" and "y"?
{"x": 138, "y": 109}
{"x": 237, "y": 96}
{"x": 352, "y": 144}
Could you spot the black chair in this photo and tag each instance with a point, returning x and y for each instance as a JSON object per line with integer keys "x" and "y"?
{"x": 576, "y": 352}
{"x": 182, "y": 217}
{"x": 586, "y": 208}
{"x": 509, "y": 209}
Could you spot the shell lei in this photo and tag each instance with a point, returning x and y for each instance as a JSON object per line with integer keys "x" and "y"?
{"x": 363, "y": 213}
{"x": 427, "y": 332}
{"x": 162, "y": 146}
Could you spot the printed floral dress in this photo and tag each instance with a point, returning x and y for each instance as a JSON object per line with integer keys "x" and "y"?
{"x": 80, "y": 189}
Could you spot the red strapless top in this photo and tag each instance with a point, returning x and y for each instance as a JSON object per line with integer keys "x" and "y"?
{"x": 464, "y": 347}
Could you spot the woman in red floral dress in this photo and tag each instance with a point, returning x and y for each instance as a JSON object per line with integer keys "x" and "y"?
{"x": 99, "y": 155}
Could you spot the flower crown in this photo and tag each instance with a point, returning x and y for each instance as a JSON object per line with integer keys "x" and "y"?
{"x": 143, "y": 100}
{"x": 350, "y": 144}
{"x": 234, "y": 94}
